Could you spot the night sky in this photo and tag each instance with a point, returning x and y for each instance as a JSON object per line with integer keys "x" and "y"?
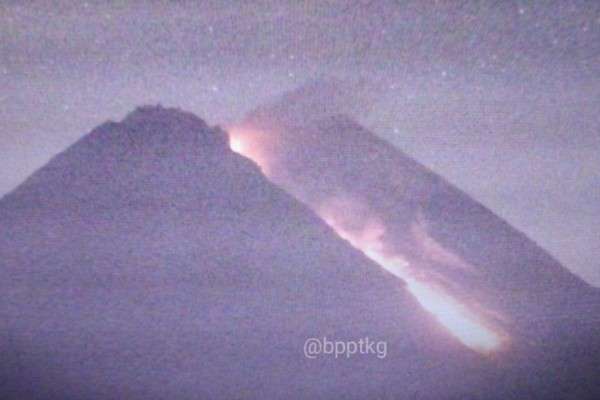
{"x": 502, "y": 98}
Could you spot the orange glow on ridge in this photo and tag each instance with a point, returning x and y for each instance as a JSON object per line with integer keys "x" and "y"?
{"x": 246, "y": 143}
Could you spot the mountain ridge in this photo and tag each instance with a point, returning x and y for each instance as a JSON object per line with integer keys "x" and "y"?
{"x": 149, "y": 269}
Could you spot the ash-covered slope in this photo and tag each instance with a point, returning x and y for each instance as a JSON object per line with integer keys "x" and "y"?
{"x": 375, "y": 194}
{"x": 333, "y": 164}
{"x": 148, "y": 261}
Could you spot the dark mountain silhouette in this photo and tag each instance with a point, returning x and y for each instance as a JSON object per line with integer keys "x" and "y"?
{"x": 148, "y": 261}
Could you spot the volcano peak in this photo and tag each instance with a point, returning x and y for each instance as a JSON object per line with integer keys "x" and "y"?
{"x": 158, "y": 113}
{"x": 153, "y": 129}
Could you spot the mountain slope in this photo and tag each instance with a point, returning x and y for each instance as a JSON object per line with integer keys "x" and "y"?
{"x": 149, "y": 261}
{"x": 384, "y": 201}
{"x": 332, "y": 164}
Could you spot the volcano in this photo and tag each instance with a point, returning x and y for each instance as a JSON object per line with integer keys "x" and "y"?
{"x": 150, "y": 261}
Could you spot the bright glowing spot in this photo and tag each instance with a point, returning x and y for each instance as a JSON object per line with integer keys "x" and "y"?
{"x": 237, "y": 145}
{"x": 246, "y": 143}
{"x": 459, "y": 321}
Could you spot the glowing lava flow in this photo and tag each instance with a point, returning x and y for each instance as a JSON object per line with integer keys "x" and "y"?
{"x": 454, "y": 316}
{"x": 457, "y": 318}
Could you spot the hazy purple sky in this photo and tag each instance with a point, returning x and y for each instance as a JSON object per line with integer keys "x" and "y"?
{"x": 502, "y": 98}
